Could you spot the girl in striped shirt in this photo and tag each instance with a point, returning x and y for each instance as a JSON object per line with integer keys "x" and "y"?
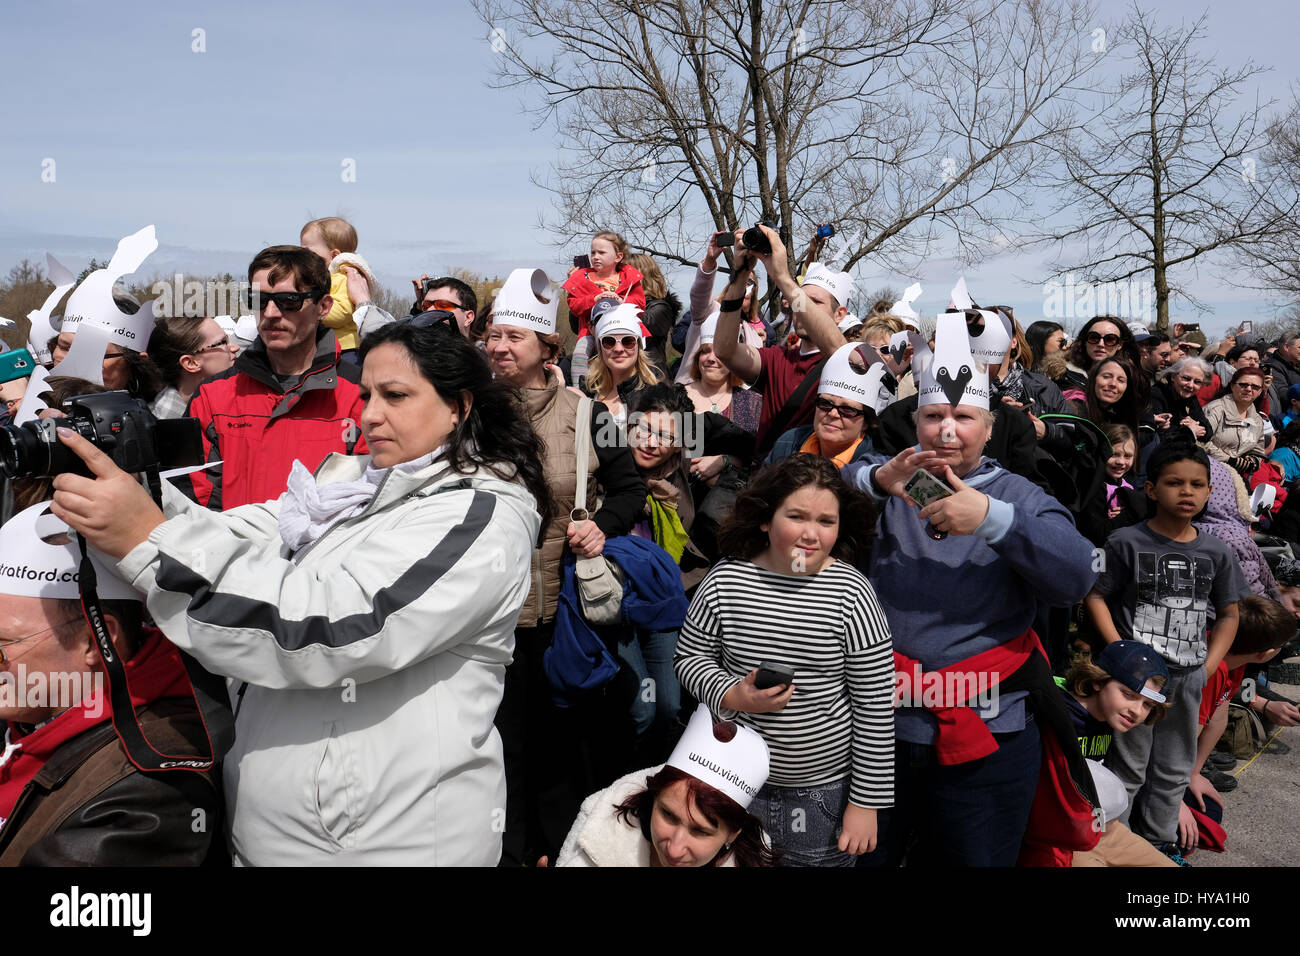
{"x": 788, "y": 594}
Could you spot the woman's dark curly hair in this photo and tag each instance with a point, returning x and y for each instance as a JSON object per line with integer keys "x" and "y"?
{"x": 742, "y": 537}
{"x": 750, "y": 848}
{"x": 493, "y": 431}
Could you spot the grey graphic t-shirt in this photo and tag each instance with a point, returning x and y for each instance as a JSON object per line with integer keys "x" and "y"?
{"x": 1158, "y": 589}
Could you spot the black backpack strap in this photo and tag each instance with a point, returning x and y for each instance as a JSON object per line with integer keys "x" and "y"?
{"x": 782, "y": 418}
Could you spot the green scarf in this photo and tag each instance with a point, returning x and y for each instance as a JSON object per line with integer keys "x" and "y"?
{"x": 666, "y": 528}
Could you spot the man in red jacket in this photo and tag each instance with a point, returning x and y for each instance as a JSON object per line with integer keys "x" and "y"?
{"x": 285, "y": 398}
{"x": 70, "y": 794}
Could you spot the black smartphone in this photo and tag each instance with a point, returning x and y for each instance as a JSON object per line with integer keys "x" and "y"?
{"x": 724, "y": 239}
{"x": 582, "y": 262}
{"x": 770, "y": 675}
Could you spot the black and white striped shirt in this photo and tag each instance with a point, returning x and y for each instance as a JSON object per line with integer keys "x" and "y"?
{"x": 830, "y": 629}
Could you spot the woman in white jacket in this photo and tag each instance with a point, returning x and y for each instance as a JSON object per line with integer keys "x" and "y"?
{"x": 365, "y": 618}
{"x": 692, "y": 811}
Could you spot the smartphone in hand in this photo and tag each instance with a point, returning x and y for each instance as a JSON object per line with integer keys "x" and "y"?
{"x": 924, "y": 488}
{"x": 772, "y": 675}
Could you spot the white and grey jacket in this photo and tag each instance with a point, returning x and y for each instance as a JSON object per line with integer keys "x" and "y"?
{"x": 375, "y": 661}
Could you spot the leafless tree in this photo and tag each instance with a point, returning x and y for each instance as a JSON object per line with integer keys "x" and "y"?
{"x": 1272, "y": 261}
{"x": 907, "y": 124}
{"x": 1166, "y": 182}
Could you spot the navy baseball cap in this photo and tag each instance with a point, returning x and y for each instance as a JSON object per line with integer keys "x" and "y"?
{"x": 1293, "y": 393}
{"x": 1133, "y": 664}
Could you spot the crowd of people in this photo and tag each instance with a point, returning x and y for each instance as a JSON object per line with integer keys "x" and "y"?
{"x": 721, "y": 586}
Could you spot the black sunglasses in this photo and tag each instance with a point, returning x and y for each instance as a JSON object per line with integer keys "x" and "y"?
{"x": 1110, "y": 338}
{"x": 826, "y": 406}
{"x": 255, "y": 300}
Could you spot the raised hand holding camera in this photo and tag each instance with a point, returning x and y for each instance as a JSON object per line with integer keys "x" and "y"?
{"x": 112, "y": 510}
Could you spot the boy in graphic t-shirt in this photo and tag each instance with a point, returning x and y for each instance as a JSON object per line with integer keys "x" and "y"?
{"x": 1159, "y": 581}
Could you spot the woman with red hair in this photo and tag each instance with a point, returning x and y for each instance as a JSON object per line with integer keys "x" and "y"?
{"x": 692, "y": 811}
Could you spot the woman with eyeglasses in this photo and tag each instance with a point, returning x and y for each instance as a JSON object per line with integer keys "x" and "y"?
{"x": 1100, "y": 338}
{"x": 838, "y": 431}
{"x": 365, "y": 617}
{"x": 186, "y": 351}
{"x": 1174, "y": 401}
{"x": 620, "y": 368}
{"x": 1241, "y": 436}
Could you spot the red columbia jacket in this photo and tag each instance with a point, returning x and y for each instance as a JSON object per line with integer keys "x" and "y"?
{"x": 256, "y": 427}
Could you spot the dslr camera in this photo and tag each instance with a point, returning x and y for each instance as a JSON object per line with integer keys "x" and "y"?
{"x": 755, "y": 240}
{"x": 120, "y": 426}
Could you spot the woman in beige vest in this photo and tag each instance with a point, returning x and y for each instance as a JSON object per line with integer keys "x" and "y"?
{"x": 545, "y": 777}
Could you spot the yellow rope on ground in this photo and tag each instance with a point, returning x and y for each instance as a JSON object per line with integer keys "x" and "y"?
{"x": 1257, "y": 753}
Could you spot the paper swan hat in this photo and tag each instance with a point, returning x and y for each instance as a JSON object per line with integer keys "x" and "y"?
{"x": 859, "y": 381}
{"x": 736, "y": 766}
{"x": 527, "y": 300}
{"x": 42, "y": 560}
{"x": 838, "y": 284}
{"x": 949, "y": 375}
{"x": 95, "y": 317}
{"x": 903, "y": 309}
{"x": 624, "y": 318}
{"x": 42, "y": 327}
{"x": 990, "y": 344}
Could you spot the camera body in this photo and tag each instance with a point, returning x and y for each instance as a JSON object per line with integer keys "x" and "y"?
{"x": 825, "y": 230}
{"x": 755, "y": 240}
{"x": 120, "y": 426}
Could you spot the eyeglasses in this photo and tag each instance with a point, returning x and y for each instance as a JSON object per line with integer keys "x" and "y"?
{"x": 609, "y": 342}
{"x": 286, "y": 302}
{"x": 223, "y": 344}
{"x": 644, "y": 435}
{"x": 847, "y": 413}
{"x": 1250, "y": 386}
{"x": 20, "y": 640}
{"x": 444, "y": 305}
{"x": 1110, "y": 338}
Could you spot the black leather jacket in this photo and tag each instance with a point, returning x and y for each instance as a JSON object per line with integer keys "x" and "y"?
{"x": 89, "y": 806}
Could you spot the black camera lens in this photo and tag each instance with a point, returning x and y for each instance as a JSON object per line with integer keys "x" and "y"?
{"x": 26, "y": 450}
{"x": 755, "y": 240}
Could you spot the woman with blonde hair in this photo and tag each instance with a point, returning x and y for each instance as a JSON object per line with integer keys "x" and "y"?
{"x": 620, "y": 367}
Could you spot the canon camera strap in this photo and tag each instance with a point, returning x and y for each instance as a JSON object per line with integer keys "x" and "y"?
{"x": 209, "y": 691}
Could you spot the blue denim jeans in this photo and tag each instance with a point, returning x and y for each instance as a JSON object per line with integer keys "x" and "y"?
{"x": 649, "y": 655}
{"x": 804, "y": 823}
{"x": 969, "y": 814}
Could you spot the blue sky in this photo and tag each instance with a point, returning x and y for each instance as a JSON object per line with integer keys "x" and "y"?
{"x": 232, "y": 149}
